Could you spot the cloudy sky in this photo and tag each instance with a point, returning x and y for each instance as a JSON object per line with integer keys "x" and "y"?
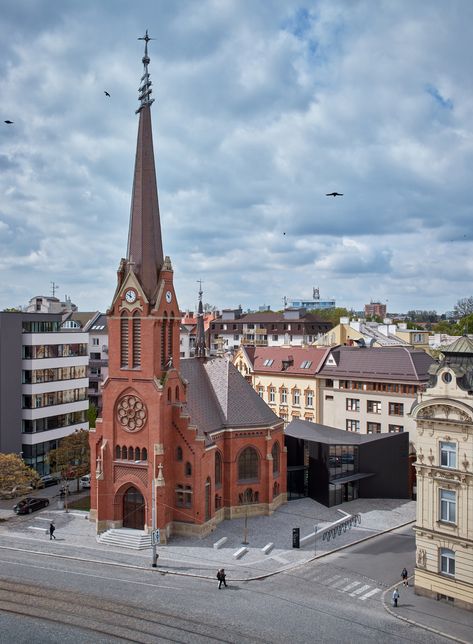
{"x": 262, "y": 107}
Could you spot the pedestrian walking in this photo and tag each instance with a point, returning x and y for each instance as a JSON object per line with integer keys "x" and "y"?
{"x": 52, "y": 528}
{"x": 221, "y": 576}
{"x": 395, "y": 597}
{"x": 404, "y": 578}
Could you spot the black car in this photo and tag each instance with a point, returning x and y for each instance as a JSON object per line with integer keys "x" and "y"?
{"x": 49, "y": 480}
{"x": 30, "y": 504}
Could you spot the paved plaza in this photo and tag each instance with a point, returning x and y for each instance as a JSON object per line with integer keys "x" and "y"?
{"x": 76, "y": 536}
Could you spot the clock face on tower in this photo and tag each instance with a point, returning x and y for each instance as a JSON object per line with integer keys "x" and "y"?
{"x": 130, "y": 296}
{"x": 168, "y": 297}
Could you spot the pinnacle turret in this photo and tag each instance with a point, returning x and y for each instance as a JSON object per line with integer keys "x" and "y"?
{"x": 200, "y": 331}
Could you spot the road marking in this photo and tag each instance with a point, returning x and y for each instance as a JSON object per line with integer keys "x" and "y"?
{"x": 332, "y": 579}
{"x": 340, "y": 582}
{"x": 350, "y": 586}
{"x": 370, "y": 594}
{"x": 358, "y": 591}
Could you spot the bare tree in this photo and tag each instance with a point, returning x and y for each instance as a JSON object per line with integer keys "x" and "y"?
{"x": 464, "y": 307}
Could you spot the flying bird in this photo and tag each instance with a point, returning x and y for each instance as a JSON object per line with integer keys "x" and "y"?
{"x": 9, "y": 122}
{"x": 334, "y": 194}
{"x": 106, "y": 93}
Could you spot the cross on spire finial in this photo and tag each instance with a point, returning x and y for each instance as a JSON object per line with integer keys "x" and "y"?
{"x": 199, "y": 282}
{"x": 145, "y": 87}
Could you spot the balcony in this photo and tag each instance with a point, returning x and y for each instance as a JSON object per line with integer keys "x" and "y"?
{"x": 98, "y": 363}
{"x": 257, "y": 342}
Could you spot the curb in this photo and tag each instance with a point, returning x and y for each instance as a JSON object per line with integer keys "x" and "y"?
{"x": 413, "y": 622}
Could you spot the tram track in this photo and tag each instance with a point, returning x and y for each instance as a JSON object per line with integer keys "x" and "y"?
{"x": 123, "y": 621}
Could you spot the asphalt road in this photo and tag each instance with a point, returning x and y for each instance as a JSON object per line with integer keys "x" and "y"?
{"x": 335, "y": 599}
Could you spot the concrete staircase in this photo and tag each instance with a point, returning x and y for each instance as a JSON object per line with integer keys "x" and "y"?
{"x": 126, "y": 538}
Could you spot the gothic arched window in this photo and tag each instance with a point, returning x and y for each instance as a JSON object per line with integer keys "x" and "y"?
{"x": 276, "y": 454}
{"x": 144, "y": 454}
{"x": 124, "y": 453}
{"x": 218, "y": 469}
{"x": 136, "y": 340}
{"x": 137, "y": 454}
{"x": 178, "y": 453}
{"x": 163, "y": 340}
{"x": 188, "y": 469}
{"x": 124, "y": 341}
{"x": 118, "y": 452}
{"x": 248, "y": 462}
{"x": 170, "y": 335}
{"x": 131, "y": 454}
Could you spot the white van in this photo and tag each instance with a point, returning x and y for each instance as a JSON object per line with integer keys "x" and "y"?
{"x": 85, "y": 481}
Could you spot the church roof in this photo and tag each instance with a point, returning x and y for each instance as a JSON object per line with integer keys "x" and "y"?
{"x": 218, "y": 396}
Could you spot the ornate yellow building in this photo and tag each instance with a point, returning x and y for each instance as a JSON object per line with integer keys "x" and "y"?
{"x": 444, "y": 529}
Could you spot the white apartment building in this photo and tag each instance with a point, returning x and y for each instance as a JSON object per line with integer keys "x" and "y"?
{"x": 43, "y": 385}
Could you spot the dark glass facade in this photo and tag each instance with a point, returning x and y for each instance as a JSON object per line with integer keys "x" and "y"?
{"x": 336, "y": 473}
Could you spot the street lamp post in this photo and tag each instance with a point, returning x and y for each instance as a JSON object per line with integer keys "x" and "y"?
{"x": 245, "y": 529}
{"x": 153, "y": 523}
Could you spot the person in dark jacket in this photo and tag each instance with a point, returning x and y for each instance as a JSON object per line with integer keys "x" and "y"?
{"x": 52, "y": 528}
{"x": 221, "y": 576}
{"x": 404, "y": 576}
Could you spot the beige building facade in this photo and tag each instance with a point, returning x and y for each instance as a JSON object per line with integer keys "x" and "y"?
{"x": 285, "y": 377}
{"x": 372, "y": 391}
{"x": 444, "y": 528}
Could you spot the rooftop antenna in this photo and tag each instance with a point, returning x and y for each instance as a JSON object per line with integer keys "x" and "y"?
{"x": 54, "y": 288}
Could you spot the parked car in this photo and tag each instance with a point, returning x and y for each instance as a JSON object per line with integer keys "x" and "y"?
{"x": 30, "y": 504}
{"x": 85, "y": 482}
{"x": 18, "y": 490}
{"x": 49, "y": 480}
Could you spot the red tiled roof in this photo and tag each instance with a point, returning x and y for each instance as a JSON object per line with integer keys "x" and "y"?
{"x": 298, "y": 355}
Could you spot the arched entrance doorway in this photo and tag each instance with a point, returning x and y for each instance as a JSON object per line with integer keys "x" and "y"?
{"x": 133, "y": 509}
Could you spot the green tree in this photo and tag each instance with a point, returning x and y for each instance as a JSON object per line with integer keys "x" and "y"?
{"x": 331, "y": 315}
{"x": 14, "y": 472}
{"x": 72, "y": 458}
{"x": 92, "y": 415}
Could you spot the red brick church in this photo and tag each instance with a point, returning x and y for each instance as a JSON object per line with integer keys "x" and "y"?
{"x": 193, "y": 429}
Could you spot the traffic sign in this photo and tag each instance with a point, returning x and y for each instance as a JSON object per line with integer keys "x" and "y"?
{"x": 155, "y": 537}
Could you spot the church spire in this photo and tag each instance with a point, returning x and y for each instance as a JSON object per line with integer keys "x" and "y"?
{"x": 145, "y": 250}
{"x": 200, "y": 332}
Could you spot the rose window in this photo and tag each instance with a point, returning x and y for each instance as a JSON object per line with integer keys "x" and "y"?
{"x": 131, "y": 413}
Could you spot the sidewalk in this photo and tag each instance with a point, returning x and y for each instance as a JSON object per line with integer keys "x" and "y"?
{"x": 436, "y": 616}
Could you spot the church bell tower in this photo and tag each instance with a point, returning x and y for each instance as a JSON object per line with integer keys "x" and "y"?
{"x": 128, "y": 445}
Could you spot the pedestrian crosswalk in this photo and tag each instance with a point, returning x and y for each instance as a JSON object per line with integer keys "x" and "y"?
{"x": 357, "y": 588}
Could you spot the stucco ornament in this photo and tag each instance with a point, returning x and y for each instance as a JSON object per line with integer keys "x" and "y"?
{"x": 132, "y": 413}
